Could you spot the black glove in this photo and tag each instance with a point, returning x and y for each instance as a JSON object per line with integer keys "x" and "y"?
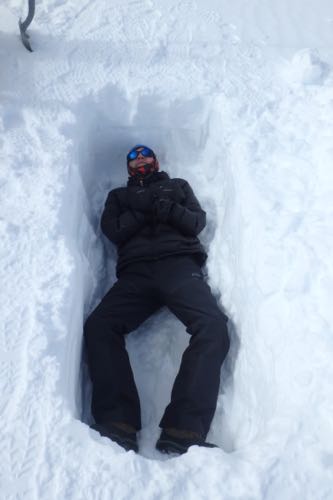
{"x": 162, "y": 209}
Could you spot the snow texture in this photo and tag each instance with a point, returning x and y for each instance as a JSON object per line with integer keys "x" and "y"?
{"x": 238, "y": 100}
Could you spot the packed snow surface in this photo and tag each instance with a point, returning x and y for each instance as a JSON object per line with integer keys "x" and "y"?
{"x": 237, "y": 98}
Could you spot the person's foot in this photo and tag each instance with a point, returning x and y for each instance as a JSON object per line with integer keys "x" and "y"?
{"x": 178, "y": 441}
{"x": 119, "y": 432}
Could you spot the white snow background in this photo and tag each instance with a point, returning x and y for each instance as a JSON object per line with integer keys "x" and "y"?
{"x": 237, "y": 98}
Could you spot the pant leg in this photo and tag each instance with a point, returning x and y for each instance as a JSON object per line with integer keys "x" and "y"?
{"x": 123, "y": 309}
{"x": 195, "y": 390}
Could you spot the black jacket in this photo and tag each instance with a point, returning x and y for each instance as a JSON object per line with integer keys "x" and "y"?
{"x": 145, "y": 228}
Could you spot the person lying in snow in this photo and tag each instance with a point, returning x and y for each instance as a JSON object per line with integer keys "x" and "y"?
{"x": 154, "y": 222}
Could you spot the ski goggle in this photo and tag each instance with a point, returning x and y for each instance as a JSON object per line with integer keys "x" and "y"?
{"x": 146, "y": 152}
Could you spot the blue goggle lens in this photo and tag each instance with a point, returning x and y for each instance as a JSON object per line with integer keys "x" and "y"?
{"x": 132, "y": 155}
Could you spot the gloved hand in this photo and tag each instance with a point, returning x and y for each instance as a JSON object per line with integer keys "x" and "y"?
{"x": 162, "y": 209}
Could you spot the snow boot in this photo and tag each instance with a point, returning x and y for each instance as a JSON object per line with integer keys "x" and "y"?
{"x": 117, "y": 433}
{"x": 175, "y": 441}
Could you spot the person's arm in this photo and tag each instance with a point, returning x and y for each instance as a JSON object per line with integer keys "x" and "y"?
{"x": 188, "y": 216}
{"x": 120, "y": 226}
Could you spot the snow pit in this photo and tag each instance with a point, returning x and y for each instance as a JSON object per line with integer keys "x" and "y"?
{"x": 156, "y": 348}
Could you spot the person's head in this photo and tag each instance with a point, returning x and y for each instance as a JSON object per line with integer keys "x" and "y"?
{"x": 141, "y": 160}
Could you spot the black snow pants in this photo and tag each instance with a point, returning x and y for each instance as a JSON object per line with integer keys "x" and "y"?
{"x": 142, "y": 288}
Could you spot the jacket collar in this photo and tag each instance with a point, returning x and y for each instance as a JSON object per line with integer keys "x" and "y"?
{"x": 137, "y": 180}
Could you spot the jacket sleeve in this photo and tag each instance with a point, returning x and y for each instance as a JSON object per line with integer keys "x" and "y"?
{"x": 120, "y": 226}
{"x": 188, "y": 217}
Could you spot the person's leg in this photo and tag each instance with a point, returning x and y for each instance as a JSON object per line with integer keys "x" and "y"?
{"x": 195, "y": 390}
{"x": 123, "y": 309}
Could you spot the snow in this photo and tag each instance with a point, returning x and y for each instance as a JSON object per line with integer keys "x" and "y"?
{"x": 237, "y": 98}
